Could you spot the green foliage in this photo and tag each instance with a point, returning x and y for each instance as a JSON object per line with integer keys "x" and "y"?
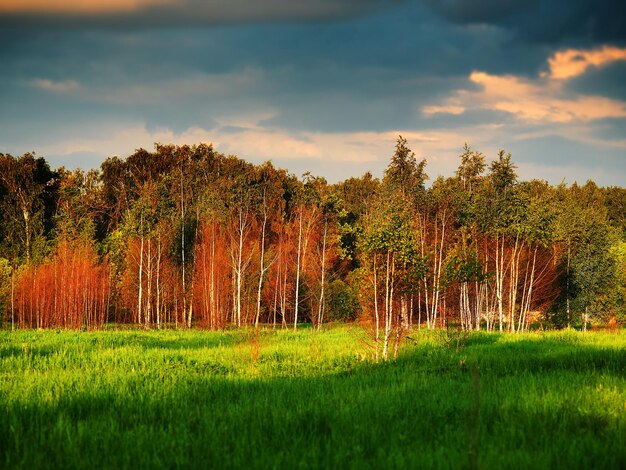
{"x": 388, "y": 228}
{"x": 462, "y": 266}
{"x": 28, "y": 199}
{"x": 343, "y": 303}
{"x": 78, "y": 204}
{"x": 357, "y": 196}
{"x": 618, "y": 300}
{"x": 115, "y": 247}
{"x": 452, "y": 231}
{"x": 615, "y": 202}
{"x": 592, "y": 268}
{"x": 404, "y": 174}
{"x": 5, "y": 289}
{"x": 502, "y": 173}
{"x": 471, "y": 168}
{"x": 280, "y": 399}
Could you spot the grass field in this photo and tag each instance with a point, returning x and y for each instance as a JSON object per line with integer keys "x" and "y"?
{"x": 168, "y": 399}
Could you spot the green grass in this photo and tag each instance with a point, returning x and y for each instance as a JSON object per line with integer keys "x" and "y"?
{"x": 169, "y": 399}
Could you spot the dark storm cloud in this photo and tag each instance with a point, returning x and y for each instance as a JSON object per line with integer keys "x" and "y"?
{"x": 331, "y": 77}
{"x": 481, "y": 11}
{"x": 542, "y": 20}
{"x": 285, "y": 79}
{"x": 609, "y": 81}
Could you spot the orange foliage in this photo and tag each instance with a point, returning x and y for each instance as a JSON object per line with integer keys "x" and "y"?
{"x": 211, "y": 285}
{"x": 70, "y": 290}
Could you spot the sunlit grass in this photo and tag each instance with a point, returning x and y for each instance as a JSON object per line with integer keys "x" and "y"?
{"x": 284, "y": 399}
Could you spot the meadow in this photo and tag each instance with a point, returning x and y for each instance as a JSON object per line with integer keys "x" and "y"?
{"x": 283, "y": 399}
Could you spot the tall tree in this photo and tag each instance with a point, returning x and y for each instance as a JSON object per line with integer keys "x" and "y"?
{"x": 30, "y": 189}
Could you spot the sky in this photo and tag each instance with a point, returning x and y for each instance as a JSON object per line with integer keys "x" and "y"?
{"x": 322, "y": 86}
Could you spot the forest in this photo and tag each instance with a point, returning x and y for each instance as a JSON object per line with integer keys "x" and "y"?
{"x": 184, "y": 236}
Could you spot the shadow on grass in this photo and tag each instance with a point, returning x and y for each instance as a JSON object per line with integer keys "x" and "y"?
{"x": 545, "y": 355}
{"x": 202, "y": 339}
{"x": 432, "y": 408}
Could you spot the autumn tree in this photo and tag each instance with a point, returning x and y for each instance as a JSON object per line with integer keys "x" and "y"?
{"x": 184, "y": 236}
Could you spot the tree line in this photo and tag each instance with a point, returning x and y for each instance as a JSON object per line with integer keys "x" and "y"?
{"x": 187, "y": 236}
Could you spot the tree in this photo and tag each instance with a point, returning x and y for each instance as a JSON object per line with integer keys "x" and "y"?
{"x": 585, "y": 237}
{"x": 404, "y": 174}
{"x": 591, "y": 269}
{"x": 391, "y": 249}
{"x": 471, "y": 167}
{"x": 502, "y": 173}
{"x": 183, "y": 236}
{"x": 30, "y": 190}
{"x": 502, "y": 178}
{"x": 6, "y": 292}
{"x": 357, "y": 196}
{"x": 79, "y": 204}
{"x": 617, "y": 306}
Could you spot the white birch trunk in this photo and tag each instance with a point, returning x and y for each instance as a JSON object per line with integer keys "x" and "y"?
{"x": 320, "y": 311}
{"x": 297, "y": 300}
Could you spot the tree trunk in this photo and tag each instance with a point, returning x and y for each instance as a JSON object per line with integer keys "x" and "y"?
{"x": 212, "y": 297}
{"x": 26, "y": 215}
{"x": 186, "y": 320}
{"x": 437, "y": 280}
{"x": 295, "y": 311}
{"x": 389, "y": 288}
{"x": 567, "y": 288}
{"x": 140, "y": 293}
{"x": 149, "y": 291}
{"x": 377, "y": 337}
{"x": 276, "y": 289}
{"x": 262, "y": 268}
{"x": 500, "y": 280}
{"x": 386, "y": 337}
{"x": 239, "y": 268}
{"x": 12, "y": 298}
{"x": 320, "y": 312}
{"x": 419, "y": 310}
{"x": 158, "y": 285}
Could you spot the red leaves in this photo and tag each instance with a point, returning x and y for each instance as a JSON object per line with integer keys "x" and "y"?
{"x": 69, "y": 290}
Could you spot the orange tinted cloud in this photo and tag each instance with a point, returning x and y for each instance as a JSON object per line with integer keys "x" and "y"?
{"x": 540, "y": 101}
{"x": 78, "y": 6}
{"x": 543, "y": 99}
{"x": 571, "y": 63}
{"x": 447, "y": 109}
{"x": 181, "y": 12}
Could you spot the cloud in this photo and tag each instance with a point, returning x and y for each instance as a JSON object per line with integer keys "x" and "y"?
{"x": 546, "y": 21}
{"x": 252, "y": 142}
{"x": 85, "y": 13}
{"x": 193, "y": 85}
{"x": 543, "y": 152}
{"x": 334, "y": 155}
{"x": 574, "y": 62}
{"x": 481, "y": 11}
{"x": 535, "y": 101}
{"x": 78, "y": 7}
{"x": 56, "y": 87}
{"x": 543, "y": 99}
{"x": 446, "y": 109}
{"x": 327, "y": 96}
